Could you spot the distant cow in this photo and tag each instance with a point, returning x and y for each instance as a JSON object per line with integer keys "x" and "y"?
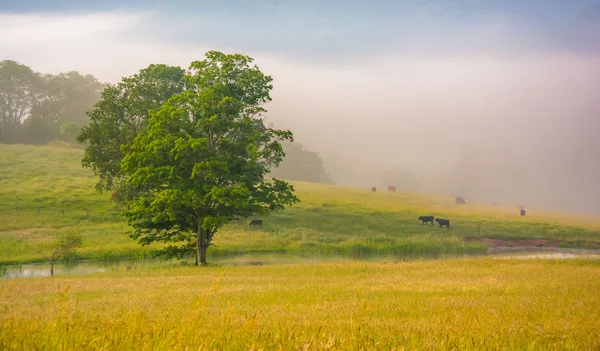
{"x": 391, "y": 188}
{"x": 373, "y": 189}
{"x": 443, "y": 222}
{"x": 522, "y": 212}
{"x": 460, "y": 201}
{"x": 426, "y": 219}
{"x": 257, "y": 222}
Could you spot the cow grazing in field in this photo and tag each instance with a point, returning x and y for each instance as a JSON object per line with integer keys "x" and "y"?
{"x": 391, "y": 188}
{"x": 426, "y": 219}
{"x": 443, "y": 222}
{"x": 460, "y": 201}
{"x": 522, "y": 212}
{"x": 257, "y": 222}
{"x": 373, "y": 189}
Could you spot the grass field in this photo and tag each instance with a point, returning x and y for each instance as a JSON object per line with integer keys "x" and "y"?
{"x": 466, "y": 303}
{"x": 44, "y": 192}
{"x": 461, "y": 303}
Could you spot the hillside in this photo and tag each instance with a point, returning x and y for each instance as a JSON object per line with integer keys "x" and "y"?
{"x": 44, "y": 192}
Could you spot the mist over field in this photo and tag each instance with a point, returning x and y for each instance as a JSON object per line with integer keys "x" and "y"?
{"x": 494, "y": 101}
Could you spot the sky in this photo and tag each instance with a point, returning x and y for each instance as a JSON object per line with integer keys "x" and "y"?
{"x": 372, "y": 85}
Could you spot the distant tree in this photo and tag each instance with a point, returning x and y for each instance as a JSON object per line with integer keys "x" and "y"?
{"x": 33, "y": 107}
{"x": 69, "y": 132}
{"x": 61, "y": 249}
{"x": 300, "y": 164}
{"x": 18, "y": 96}
{"x": 77, "y": 94}
{"x": 203, "y": 157}
{"x": 120, "y": 115}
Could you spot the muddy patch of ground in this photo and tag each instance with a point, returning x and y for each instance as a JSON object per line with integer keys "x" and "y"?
{"x": 502, "y": 245}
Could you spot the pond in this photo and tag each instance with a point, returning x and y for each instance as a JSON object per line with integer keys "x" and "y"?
{"x": 89, "y": 267}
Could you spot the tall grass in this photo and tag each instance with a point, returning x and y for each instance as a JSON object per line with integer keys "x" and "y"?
{"x": 44, "y": 192}
{"x": 466, "y": 304}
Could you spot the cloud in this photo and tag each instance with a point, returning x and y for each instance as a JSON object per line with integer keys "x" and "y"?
{"x": 108, "y": 45}
{"x": 30, "y": 30}
{"x": 342, "y": 32}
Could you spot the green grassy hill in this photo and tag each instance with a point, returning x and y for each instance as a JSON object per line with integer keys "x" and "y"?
{"x": 45, "y": 192}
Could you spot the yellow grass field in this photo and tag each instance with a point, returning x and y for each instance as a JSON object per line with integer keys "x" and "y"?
{"x": 461, "y": 304}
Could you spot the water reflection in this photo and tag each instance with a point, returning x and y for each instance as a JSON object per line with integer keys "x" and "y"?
{"x": 89, "y": 267}
{"x": 81, "y": 267}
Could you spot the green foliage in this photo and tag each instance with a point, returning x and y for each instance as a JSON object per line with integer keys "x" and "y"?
{"x": 69, "y": 132}
{"x": 18, "y": 85}
{"x": 63, "y": 248}
{"x": 34, "y": 107}
{"x": 202, "y": 160}
{"x": 302, "y": 165}
{"x": 122, "y": 113}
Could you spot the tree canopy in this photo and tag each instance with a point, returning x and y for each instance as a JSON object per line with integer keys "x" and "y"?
{"x": 121, "y": 114}
{"x": 191, "y": 148}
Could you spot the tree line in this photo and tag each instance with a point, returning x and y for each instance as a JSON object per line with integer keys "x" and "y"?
{"x": 37, "y": 108}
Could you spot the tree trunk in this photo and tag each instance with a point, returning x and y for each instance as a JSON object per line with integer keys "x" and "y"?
{"x": 198, "y": 241}
{"x": 52, "y": 269}
{"x": 203, "y": 247}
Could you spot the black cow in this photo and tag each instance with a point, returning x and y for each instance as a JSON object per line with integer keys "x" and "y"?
{"x": 257, "y": 222}
{"x": 443, "y": 222}
{"x": 426, "y": 219}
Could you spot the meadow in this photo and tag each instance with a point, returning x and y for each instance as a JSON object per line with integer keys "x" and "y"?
{"x": 45, "y": 193}
{"x": 461, "y": 303}
{"x": 402, "y": 301}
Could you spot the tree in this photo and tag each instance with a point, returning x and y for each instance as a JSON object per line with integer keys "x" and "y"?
{"x": 33, "y": 106}
{"x": 300, "y": 164}
{"x": 203, "y": 157}
{"x": 120, "y": 115}
{"x": 18, "y": 85}
{"x": 69, "y": 132}
{"x": 62, "y": 248}
{"x": 63, "y": 100}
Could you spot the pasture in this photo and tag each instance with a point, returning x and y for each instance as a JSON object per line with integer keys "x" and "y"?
{"x": 46, "y": 192}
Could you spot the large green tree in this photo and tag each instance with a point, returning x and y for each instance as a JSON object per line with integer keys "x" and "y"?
{"x": 120, "y": 115}
{"x": 203, "y": 157}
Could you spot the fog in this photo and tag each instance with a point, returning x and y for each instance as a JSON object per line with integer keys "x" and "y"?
{"x": 492, "y": 122}
{"x": 530, "y": 124}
